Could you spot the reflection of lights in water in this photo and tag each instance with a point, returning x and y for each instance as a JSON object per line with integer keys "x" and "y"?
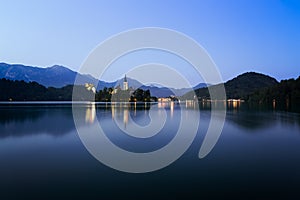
{"x": 134, "y": 108}
{"x": 205, "y": 104}
{"x": 274, "y": 103}
{"x": 172, "y": 108}
{"x": 90, "y": 114}
{"x": 287, "y": 103}
{"x": 112, "y": 111}
{"x": 125, "y": 117}
{"x": 235, "y": 103}
{"x": 189, "y": 103}
{"x": 162, "y": 104}
{"x": 159, "y": 105}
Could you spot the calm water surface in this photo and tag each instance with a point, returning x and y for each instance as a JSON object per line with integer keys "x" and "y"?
{"x": 257, "y": 156}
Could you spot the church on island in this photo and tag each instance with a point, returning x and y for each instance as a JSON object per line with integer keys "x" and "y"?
{"x": 124, "y": 93}
{"x": 124, "y": 88}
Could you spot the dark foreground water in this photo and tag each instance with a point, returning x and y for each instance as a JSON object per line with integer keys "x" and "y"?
{"x": 41, "y": 155}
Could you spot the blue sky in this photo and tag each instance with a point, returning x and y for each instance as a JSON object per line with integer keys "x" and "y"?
{"x": 239, "y": 35}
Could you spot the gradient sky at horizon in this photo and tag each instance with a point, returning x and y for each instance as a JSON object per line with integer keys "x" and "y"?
{"x": 239, "y": 35}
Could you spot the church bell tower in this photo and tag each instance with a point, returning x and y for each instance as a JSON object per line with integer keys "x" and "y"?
{"x": 125, "y": 83}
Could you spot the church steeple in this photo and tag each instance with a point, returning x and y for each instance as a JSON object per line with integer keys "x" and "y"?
{"x": 125, "y": 83}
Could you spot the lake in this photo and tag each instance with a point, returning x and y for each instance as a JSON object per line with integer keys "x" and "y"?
{"x": 42, "y": 156}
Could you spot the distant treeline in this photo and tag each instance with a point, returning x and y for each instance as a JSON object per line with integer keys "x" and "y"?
{"x": 285, "y": 94}
{"x": 258, "y": 89}
{"x": 33, "y": 91}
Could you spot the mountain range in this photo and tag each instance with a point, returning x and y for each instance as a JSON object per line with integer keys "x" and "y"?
{"x": 60, "y": 76}
{"x": 26, "y": 83}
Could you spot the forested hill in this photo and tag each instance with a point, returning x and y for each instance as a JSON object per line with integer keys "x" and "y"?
{"x": 240, "y": 87}
{"x": 286, "y": 93}
{"x": 32, "y": 91}
{"x": 247, "y": 83}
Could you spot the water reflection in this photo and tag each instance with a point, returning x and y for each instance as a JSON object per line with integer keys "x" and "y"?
{"x": 172, "y": 109}
{"x": 90, "y": 113}
{"x": 31, "y": 120}
{"x": 247, "y": 116}
{"x": 235, "y": 104}
{"x": 274, "y": 104}
{"x": 258, "y": 164}
{"x": 113, "y": 111}
{"x": 191, "y": 104}
{"x": 124, "y": 113}
{"x": 259, "y": 120}
{"x": 125, "y": 117}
